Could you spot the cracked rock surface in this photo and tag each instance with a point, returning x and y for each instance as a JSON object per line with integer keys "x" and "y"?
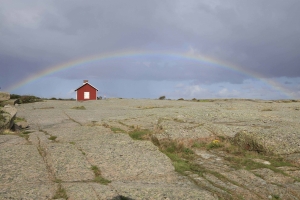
{"x": 87, "y": 154}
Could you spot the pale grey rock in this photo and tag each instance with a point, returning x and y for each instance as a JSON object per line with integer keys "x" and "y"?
{"x": 22, "y": 124}
{"x": 265, "y": 162}
{"x": 9, "y": 115}
{"x": 138, "y": 170}
{"x": 4, "y": 96}
{"x": 272, "y": 177}
{"x": 160, "y": 191}
{"x": 11, "y": 140}
{"x": 68, "y": 163}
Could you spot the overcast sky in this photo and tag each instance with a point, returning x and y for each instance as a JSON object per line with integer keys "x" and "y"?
{"x": 261, "y": 38}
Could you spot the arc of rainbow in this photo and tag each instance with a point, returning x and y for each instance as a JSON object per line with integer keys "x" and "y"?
{"x": 107, "y": 56}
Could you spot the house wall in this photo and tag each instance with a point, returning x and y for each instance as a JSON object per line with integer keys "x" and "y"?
{"x": 86, "y": 88}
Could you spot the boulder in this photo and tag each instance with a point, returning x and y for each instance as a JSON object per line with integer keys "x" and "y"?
{"x": 4, "y": 96}
{"x": 9, "y": 102}
{"x": 22, "y": 124}
{"x": 8, "y": 114}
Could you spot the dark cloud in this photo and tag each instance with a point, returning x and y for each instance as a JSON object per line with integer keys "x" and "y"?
{"x": 259, "y": 36}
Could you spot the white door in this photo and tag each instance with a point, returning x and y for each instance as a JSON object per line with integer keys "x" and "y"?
{"x": 86, "y": 95}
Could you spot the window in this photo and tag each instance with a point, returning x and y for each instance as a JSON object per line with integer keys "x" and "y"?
{"x": 86, "y": 95}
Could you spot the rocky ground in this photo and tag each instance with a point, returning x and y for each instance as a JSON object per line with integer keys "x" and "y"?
{"x": 153, "y": 149}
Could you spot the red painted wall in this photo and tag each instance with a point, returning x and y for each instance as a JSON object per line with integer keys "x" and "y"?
{"x": 86, "y": 88}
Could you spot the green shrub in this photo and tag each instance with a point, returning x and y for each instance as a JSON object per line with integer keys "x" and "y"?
{"x": 29, "y": 99}
{"x": 116, "y": 130}
{"x": 52, "y": 138}
{"x": 139, "y": 134}
{"x": 79, "y": 108}
{"x": 214, "y": 144}
{"x": 15, "y": 96}
{"x": 2, "y": 118}
{"x": 162, "y": 97}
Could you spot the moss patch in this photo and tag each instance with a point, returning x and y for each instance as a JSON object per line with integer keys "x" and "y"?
{"x": 79, "y": 108}
{"x": 98, "y": 178}
{"x": 140, "y": 134}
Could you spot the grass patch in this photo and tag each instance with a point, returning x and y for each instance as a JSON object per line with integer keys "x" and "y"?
{"x": 214, "y": 145}
{"x": 266, "y": 109}
{"x": 2, "y": 118}
{"x": 19, "y": 119}
{"x": 72, "y": 143}
{"x": 79, "y": 108}
{"x": 98, "y": 178}
{"x": 102, "y": 180}
{"x": 7, "y": 132}
{"x": 52, "y": 138}
{"x": 140, "y": 134}
{"x": 60, "y": 193}
{"x": 26, "y": 132}
{"x": 23, "y": 134}
{"x": 199, "y": 145}
{"x": 179, "y": 164}
{"x": 243, "y": 159}
{"x": 83, "y": 153}
{"x": 45, "y": 108}
{"x": 205, "y": 100}
{"x": 117, "y": 130}
{"x": 180, "y": 156}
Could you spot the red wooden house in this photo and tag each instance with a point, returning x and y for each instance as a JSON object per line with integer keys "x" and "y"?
{"x": 86, "y": 92}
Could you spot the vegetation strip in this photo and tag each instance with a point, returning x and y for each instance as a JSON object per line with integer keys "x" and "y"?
{"x": 98, "y": 177}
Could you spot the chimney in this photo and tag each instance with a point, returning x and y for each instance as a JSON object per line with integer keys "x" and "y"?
{"x": 85, "y": 81}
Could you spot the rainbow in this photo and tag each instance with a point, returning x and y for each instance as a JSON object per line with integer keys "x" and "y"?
{"x": 123, "y": 54}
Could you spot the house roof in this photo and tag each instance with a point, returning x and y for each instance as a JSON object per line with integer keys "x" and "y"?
{"x": 84, "y": 85}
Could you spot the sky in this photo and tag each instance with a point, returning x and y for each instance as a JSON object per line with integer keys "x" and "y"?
{"x": 147, "y": 49}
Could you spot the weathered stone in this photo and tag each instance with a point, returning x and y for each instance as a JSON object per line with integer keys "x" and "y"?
{"x": 8, "y": 113}
{"x": 68, "y": 163}
{"x": 265, "y": 162}
{"x": 142, "y": 190}
{"x": 11, "y": 102}
{"x": 23, "y": 173}
{"x": 9, "y": 140}
{"x": 113, "y": 153}
{"x": 138, "y": 170}
{"x": 4, "y": 96}
{"x": 22, "y": 124}
{"x": 90, "y": 191}
{"x": 272, "y": 177}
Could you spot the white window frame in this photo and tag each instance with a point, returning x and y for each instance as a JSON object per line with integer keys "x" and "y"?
{"x": 86, "y": 95}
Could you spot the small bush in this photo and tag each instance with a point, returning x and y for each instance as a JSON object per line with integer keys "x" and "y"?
{"x": 205, "y": 100}
{"x": 52, "y": 138}
{"x": 15, "y": 96}
{"x": 180, "y": 99}
{"x": 214, "y": 144}
{"x": 162, "y": 98}
{"x": 139, "y": 134}
{"x": 29, "y": 99}
{"x": 2, "y": 118}
{"x": 199, "y": 144}
{"x": 116, "y": 130}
